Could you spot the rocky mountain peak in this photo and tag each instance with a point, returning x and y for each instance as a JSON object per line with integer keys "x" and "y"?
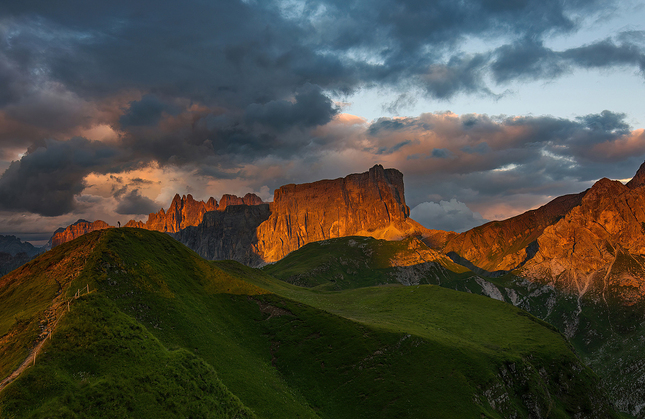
{"x": 638, "y": 179}
{"x": 603, "y": 189}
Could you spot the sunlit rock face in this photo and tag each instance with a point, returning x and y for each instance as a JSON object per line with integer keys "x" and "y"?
{"x": 365, "y": 204}
{"x": 248, "y": 199}
{"x": 599, "y": 246}
{"x": 185, "y": 211}
{"x": 76, "y": 230}
{"x": 505, "y": 245}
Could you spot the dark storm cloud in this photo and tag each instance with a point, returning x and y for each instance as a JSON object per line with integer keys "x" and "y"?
{"x": 394, "y": 148}
{"x": 45, "y": 180}
{"x": 460, "y": 74}
{"x": 607, "y": 121}
{"x": 441, "y": 153}
{"x": 606, "y": 53}
{"x": 134, "y": 203}
{"x": 147, "y": 112}
{"x": 310, "y": 108}
{"x": 222, "y": 84}
{"x": 235, "y": 53}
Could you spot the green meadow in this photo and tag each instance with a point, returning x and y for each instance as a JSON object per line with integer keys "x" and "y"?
{"x": 164, "y": 333}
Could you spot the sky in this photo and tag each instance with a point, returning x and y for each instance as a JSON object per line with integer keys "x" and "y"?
{"x": 488, "y": 107}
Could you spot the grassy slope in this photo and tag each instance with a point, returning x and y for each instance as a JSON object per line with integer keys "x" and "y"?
{"x": 28, "y": 291}
{"x": 349, "y": 262}
{"x": 163, "y": 317}
{"x": 464, "y": 332}
{"x": 614, "y": 354}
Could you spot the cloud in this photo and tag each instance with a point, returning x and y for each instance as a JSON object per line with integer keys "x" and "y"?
{"x": 446, "y": 215}
{"x": 441, "y": 153}
{"x": 529, "y": 59}
{"x": 134, "y": 203}
{"x": 220, "y": 94}
{"x": 310, "y": 108}
{"x": 46, "y": 179}
{"x": 145, "y": 112}
{"x": 460, "y": 74}
{"x": 525, "y": 60}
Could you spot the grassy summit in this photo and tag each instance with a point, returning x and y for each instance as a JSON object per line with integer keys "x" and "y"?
{"x": 164, "y": 333}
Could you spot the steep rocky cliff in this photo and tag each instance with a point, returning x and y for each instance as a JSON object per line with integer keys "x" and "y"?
{"x": 248, "y": 199}
{"x": 185, "y": 211}
{"x": 76, "y": 230}
{"x": 228, "y": 234}
{"x": 599, "y": 246}
{"x": 505, "y": 245}
{"x": 592, "y": 243}
{"x": 365, "y": 204}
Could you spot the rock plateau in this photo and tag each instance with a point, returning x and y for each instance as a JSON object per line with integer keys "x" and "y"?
{"x": 365, "y": 204}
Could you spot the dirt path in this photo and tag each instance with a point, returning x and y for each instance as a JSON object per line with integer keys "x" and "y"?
{"x": 52, "y": 315}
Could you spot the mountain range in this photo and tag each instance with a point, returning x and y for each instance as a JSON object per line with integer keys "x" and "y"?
{"x": 131, "y": 323}
{"x": 576, "y": 263}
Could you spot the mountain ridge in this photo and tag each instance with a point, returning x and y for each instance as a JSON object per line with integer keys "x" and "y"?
{"x": 186, "y": 335}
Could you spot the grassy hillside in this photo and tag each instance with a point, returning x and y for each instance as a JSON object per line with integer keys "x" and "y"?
{"x": 356, "y": 262}
{"x": 164, "y": 333}
{"x": 607, "y": 335}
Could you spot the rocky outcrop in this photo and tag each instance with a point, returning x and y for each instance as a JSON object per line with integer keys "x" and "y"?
{"x": 505, "y": 245}
{"x": 365, "y": 204}
{"x": 599, "y": 246}
{"x": 228, "y": 234}
{"x": 185, "y": 211}
{"x": 592, "y": 243}
{"x": 76, "y": 230}
{"x": 248, "y": 199}
{"x": 247, "y": 230}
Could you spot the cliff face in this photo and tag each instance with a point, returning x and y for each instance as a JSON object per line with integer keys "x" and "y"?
{"x": 76, "y": 230}
{"x": 592, "y": 243}
{"x": 599, "y": 246}
{"x": 505, "y": 245}
{"x": 228, "y": 234}
{"x": 185, "y": 211}
{"x": 366, "y": 204}
{"x": 248, "y": 199}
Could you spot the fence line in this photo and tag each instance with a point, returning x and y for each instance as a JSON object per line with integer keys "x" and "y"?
{"x": 31, "y": 358}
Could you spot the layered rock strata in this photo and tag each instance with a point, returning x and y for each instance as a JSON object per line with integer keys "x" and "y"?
{"x": 365, "y": 204}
